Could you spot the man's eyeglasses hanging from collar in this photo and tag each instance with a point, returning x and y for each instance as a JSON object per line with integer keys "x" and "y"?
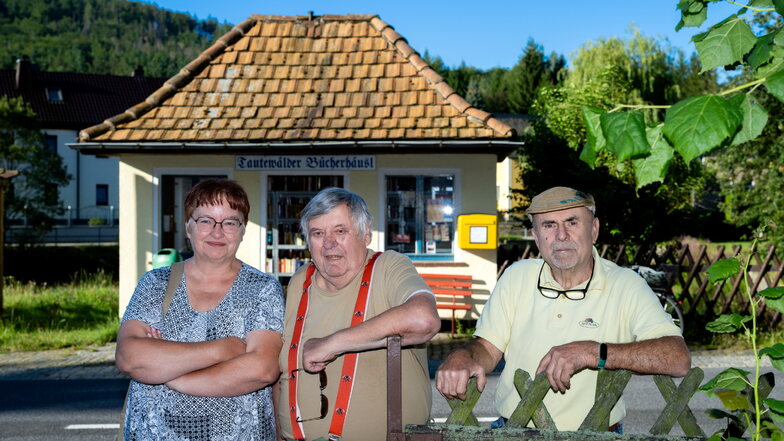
{"x": 324, "y": 401}
{"x": 571, "y": 294}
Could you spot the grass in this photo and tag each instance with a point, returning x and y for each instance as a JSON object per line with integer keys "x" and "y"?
{"x": 73, "y": 315}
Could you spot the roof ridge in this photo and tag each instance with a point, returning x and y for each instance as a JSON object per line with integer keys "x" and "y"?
{"x": 436, "y": 81}
{"x": 173, "y": 84}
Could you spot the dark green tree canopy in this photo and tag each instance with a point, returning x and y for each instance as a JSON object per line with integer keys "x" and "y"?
{"x": 102, "y": 36}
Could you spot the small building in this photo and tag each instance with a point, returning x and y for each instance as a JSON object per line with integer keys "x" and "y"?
{"x": 66, "y": 102}
{"x": 288, "y": 106}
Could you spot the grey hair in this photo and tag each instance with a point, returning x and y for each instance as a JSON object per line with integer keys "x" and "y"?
{"x": 330, "y": 198}
{"x": 591, "y": 208}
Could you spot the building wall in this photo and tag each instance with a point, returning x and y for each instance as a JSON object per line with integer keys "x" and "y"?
{"x": 86, "y": 172}
{"x": 140, "y": 229}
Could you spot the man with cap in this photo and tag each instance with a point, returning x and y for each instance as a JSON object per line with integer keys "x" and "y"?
{"x": 569, "y": 314}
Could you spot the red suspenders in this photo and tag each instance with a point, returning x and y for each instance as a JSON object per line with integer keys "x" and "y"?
{"x": 349, "y": 360}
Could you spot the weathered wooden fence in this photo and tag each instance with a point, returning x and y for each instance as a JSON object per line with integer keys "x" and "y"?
{"x": 462, "y": 424}
{"x": 689, "y": 282}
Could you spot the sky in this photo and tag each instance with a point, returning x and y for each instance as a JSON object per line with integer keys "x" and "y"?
{"x": 483, "y": 33}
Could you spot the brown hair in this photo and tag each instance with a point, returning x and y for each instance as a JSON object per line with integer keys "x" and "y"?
{"x": 213, "y": 191}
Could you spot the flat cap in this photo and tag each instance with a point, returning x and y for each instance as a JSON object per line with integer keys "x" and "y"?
{"x": 559, "y": 198}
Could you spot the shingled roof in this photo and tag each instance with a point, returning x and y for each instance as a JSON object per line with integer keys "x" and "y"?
{"x": 274, "y": 80}
{"x": 86, "y": 98}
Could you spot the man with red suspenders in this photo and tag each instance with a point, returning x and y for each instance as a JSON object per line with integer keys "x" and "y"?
{"x": 339, "y": 311}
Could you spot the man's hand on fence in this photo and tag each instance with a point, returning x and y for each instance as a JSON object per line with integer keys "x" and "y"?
{"x": 474, "y": 360}
{"x": 452, "y": 377}
{"x": 561, "y": 362}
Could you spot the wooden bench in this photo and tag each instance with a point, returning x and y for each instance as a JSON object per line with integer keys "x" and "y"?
{"x": 453, "y": 285}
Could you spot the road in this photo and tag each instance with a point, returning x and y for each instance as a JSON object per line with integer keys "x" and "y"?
{"x": 53, "y": 410}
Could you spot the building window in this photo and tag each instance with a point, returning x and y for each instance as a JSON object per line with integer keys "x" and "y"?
{"x": 50, "y": 141}
{"x": 101, "y": 194}
{"x": 419, "y": 218}
{"x": 54, "y": 94}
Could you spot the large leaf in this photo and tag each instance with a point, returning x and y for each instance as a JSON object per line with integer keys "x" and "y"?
{"x": 593, "y": 127}
{"x": 699, "y": 124}
{"x": 776, "y": 355}
{"x": 726, "y": 43}
{"x": 774, "y": 298}
{"x": 727, "y": 323}
{"x": 775, "y": 85}
{"x": 732, "y": 378}
{"x": 761, "y": 53}
{"x": 733, "y": 399}
{"x": 755, "y": 117}
{"x": 625, "y": 134}
{"x": 776, "y": 62}
{"x": 588, "y": 156}
{"x": 653, "y": 168}
{"x": 776, "y": 409}
{"x": 772, "y": 293}
{"x": 723, "y": 269}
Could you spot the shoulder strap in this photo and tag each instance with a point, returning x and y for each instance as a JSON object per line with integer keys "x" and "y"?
{"x": 177, "y": 268}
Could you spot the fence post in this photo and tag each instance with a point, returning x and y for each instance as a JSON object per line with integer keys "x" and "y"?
{"x": 394, "y": 390}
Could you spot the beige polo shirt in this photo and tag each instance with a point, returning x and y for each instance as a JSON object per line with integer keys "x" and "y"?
{"x": 619, "y": 307}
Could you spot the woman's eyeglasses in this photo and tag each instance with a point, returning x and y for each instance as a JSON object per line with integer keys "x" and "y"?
{"x": 324, "y": 401}
{"x": 571, "y": 294}
{"x": 206, "y": 224}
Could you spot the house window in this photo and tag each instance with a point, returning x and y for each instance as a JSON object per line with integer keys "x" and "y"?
{"x": 54, "y": 94}
{"x": 101, "y": 194}
{"x": 50, "y": 141}
{"x": 419, "y": 218}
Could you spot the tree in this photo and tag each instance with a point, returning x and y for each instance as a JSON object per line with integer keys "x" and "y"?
{"x": 33, "y": 195}
{"x": 699, "y": 125}
{"x": 604, "y": 73}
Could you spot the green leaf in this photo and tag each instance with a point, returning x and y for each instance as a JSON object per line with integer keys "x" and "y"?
{"x": 653, "y": 168}
{"x": 723, "y": 269}
{"x": 699, "y": 124}
{"x": 755, "y": 117}
{"x": 693, "y": 14}
{"x": 772, "y": 293}
{"x": 776, "y": 409}
{"x": 777, "y": 304}
{"x": 727, "y": 323}
{"x": 718, "y": 414}
{"x": 761, "y": 53}
{"x": 625, "y": 134}
{"x": 775, "y": 432}
{"x": 726, "y": 43}
{"x": 732, "y": 378}
{"x": 593, "y": 127}
{"x": 776, "y": 355}
{"x": 775, "y": 64}
{"x": 588, "y": 156}
{"x": 733, "y": 400}
{"x": 779, "y": 5}
{"x": 775, "y": 85}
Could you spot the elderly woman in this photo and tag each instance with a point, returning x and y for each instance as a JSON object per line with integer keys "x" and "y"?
{"x": 201, "y": 371}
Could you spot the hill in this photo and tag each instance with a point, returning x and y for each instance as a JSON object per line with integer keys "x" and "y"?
{"x": 102, "y": 36}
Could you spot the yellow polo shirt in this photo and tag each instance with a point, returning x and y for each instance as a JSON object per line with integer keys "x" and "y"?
{"x": 619, "y": 307}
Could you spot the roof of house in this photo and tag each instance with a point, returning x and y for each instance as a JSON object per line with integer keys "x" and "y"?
{"x": 85, "y": 99}
{"x": 311, "y": 81}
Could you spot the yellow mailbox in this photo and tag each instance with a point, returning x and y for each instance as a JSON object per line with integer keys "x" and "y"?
{"x": 477, "y": 231}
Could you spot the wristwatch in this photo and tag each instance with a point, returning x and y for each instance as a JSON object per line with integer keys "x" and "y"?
{"x": 602, "y": 355}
